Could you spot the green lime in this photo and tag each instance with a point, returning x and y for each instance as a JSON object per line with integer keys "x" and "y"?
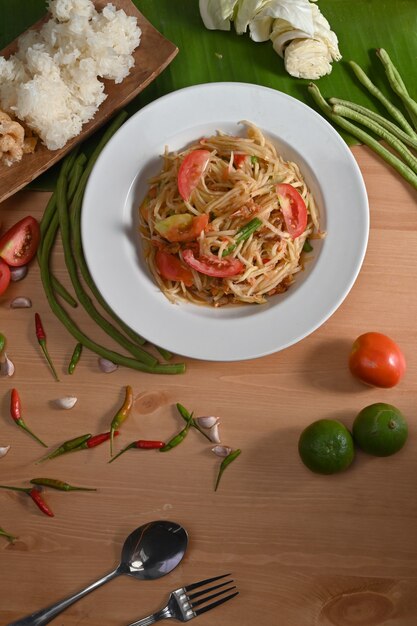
{"x": 380, "y": 429}
{"x": 326, "y": 447}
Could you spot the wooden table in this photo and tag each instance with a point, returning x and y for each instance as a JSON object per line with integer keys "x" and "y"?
{"x": 304, "y": 549}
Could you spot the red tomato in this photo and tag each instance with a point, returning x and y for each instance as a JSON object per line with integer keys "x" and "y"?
{"x": 293, "y": 208}
{"x": 212, "y": 265}
{"x": 191, "y": 171}
{"x": 171, "y": 268}
{"x": 377, "y": 360}
{"x": 183, "y": 227}
{"x": 19, "y": 244}
{"x": 239, "y": 159}
{"x": 4, "y": 276}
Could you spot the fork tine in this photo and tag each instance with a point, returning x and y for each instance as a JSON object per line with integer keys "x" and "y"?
{"x": 204, "y": 582}
{"x": 214, "y": 604}
{"x": 213, "y": 595}
{"x": 204, "y": 591}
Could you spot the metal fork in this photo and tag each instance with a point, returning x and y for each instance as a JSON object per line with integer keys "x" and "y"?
{"x": 183, "y": 605}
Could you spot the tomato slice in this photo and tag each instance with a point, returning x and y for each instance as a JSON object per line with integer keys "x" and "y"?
{"x": 19, "y": 244}
{"x": 190, "y": 172}
{"x": 239, "y": 159}
{"x": 183, "y": 227}
{"x": 4, "y": 276}
{"x": 170, "y": 267}
{"x": 293, "y": 208}
{"x": 212, "y": 265}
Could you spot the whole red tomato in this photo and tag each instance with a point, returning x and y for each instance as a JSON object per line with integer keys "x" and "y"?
{"x": 377, "y": 360}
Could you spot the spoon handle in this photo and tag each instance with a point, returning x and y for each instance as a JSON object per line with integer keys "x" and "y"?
{"x": 44, "y": 616}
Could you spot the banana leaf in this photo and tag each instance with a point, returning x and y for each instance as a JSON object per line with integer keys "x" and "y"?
{"x": 208, "y": 56}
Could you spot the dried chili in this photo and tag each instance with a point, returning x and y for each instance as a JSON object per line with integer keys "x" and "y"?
{"x": 76, "y": 355}
{"x": 41, "y": 337}
{"x": 175, "y": 441}
{"x": 58, "y": 484}
{"x": 141, "y": 444}
{"x": 16, "y": 413}
{"x": 35, "y": 495}
{"x": 121, "y": 415}
{"x": 225, "y": 463}
{"x": 67, "y": 446}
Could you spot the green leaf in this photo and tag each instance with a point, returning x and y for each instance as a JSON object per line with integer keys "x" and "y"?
{"x": 211, "y": 56}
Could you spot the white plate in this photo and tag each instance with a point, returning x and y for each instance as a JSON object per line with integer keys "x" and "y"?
{"x": 118, "y": 183}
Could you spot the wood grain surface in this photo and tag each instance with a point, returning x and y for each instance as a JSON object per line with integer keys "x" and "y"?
{"x": 152, "y": 56}
{"x": 304, "y": 549}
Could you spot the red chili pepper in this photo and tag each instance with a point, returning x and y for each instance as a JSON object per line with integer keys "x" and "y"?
{"x": 16, "y": 413}
{"x": 34, "y": 493}
{"x": 41, "y": 336}
{"x": 141, "y": 444}
{"x": 40, "y": 502}
{"x": 96, "y": 440}
{"x": 121, "y": 414}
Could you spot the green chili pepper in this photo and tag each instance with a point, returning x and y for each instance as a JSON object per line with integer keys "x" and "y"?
{"x": 58, "y": 484}
{"x": 2, "y": 342}
{"x": 121, "y": 415}
{"x": 225, "y": 463}
{"x": 8, "y": 536}
{"x": 67, "y": 446}
{"x": 243, "y": 234}
{"x": 307, "y": 247}
{"x": 175, "y": 441}
{"x": 186, "y": 416}
{"x": 75, "y": 358}
{"x": 254, "y": 159}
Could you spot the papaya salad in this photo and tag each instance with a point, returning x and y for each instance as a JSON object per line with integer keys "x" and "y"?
{"x": 226, "y": 221}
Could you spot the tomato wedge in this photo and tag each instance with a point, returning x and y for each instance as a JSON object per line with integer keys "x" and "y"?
{"x": 212, "y": 265}
{"x": 190, "y": 172}
{"x": 19, "y": 244}
{"x": 4, "y": 276}
{"x": 239, "y": 159}
{"x": 293, "y": 208}
{"x": 170, "y": 267}
{"x": 183, "y": 227}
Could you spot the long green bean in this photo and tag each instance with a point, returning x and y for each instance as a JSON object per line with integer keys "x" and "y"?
{"x": 376, "y": 128}
{"x": 82, "y": 296}
{"x": 376, "y": 117}
{"x": 398, "y": 85}
{"x": 75, "y": 211}
{"x": 390, "y": 158}
{"x": 373, "y": 89}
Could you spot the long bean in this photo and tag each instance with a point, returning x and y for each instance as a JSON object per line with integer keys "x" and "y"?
{"x": 75, "y": 211}
{"x": 375, "y": 127}
{"x": 373, "y": 89}
{"x": 82, "y": 296}
{"x": 74, "y": 330}
{"x": 397, "y": 84}
{"x": 390, "y": 158}
{"x": 376, "y": 117}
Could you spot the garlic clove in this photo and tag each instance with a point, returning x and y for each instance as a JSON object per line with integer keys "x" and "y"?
{"x": 107, "y": 366}
{"x": 214, "y": 433}
{"x": 4, "y": 450}
{"x": 18, "y": 273}
{"x": 66, "y": 403}
{"x": 207, "y": 422}
{"x": 7, "y": 367}
{"x": 222, "y": 451}
{"x": 21, "y": 303}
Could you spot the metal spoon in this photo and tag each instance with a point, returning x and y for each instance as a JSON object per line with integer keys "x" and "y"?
{"x": 149, "y": 552}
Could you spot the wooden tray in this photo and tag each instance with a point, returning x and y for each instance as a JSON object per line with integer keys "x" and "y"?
{"x": 151, "y": 58}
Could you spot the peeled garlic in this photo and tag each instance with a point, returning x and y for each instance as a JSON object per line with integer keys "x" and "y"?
{"x": 4, "y": 450}
{"x": 107, "y": 366}
{"x": 7, "y": 367}
{"x": 222, "y": 451}
{"x": 21, "y": 303}
{"x": 66, "y": 403}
